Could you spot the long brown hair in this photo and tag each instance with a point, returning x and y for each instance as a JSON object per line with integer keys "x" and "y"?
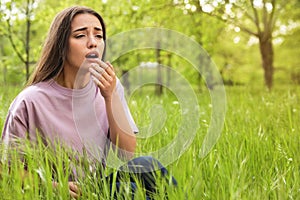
{"x": 56, "y": 44}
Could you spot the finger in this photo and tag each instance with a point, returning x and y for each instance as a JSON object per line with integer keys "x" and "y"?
{"x": 73, "y": 187}
{"x": 73, "y": 194}
{"x": 74, "y": 190}
{"x": 107, "y": 77}
{"x": 102, "y": 64}
{"x": 98, "y": 82}
{"x": 110, "y": 70}
{"x": 106, "y": 66}
{"x": 97, "y": 72}
{"x": 102, "y": 79}
{"x": 97, "y": 67}
{"x": 54, "y": 184}
{"x": 110, "y": 65}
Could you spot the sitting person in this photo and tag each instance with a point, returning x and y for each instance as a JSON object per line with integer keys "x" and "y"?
{"x": 75, "y": 98}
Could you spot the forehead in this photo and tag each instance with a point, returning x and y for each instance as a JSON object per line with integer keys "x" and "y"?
{"x": 85, "y": 20}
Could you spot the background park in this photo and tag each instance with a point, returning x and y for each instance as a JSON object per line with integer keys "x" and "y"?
{"x": 253, "y": 45}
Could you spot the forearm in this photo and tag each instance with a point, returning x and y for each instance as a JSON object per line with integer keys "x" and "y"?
{"x": 121, "y": 133}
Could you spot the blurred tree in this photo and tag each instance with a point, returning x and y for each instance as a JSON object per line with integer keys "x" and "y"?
{"x": 205, "y": 31}
{"x": 256, "y": 17}
{"x": 287, "y": 40}
{"x": 18, "y": 16}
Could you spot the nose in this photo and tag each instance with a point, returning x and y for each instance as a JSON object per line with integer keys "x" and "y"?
{"x": 92, "y": 42}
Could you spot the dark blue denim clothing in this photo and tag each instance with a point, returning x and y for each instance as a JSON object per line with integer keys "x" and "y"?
{"x": 144, "y": 169}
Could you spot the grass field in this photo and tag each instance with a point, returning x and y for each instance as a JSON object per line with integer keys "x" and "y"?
{"x": 256, "y": 157}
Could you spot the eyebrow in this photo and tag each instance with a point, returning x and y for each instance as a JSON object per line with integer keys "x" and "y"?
{"x": 85, "y": 28}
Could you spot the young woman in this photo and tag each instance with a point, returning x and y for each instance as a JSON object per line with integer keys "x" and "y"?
{"x": 75, "y": 98}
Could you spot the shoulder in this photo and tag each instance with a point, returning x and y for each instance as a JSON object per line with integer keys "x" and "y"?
{"x": 30, "y": 94}
{"x": 34, "y": 91}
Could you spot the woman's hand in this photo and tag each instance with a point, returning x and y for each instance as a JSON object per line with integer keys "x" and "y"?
{"x": 121, "y": 133}
{"x": 73, "y": 189}
{"x": 104, "y": 76}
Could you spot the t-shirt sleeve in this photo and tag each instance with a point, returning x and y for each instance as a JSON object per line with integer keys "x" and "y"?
{"x": 15, "y": 126}
{"x": 120, "y": 90}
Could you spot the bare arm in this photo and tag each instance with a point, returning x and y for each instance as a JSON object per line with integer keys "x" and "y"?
{"x": 121, "y": 133}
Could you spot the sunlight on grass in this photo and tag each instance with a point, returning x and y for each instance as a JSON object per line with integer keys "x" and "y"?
{"x": 255, "y": 158}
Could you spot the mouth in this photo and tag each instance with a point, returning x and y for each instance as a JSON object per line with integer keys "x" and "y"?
{"x": 92, "y": 55}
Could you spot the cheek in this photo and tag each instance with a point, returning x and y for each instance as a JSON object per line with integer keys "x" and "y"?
{"x": 76, "y": 55}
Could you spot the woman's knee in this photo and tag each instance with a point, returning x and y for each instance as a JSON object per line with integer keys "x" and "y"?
{"x": 145, "y": 164}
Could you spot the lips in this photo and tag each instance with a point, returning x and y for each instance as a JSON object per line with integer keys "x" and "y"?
{"x": 92, "y": 54}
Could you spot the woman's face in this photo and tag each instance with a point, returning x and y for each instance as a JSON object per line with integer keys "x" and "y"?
{"x": 86, "y": 39}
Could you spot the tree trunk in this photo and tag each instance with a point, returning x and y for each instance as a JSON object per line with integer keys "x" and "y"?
{"x": 159, "y": 87}
{"x": 169, "y": 55}
{"x": 267, "y": 55}
{"x": 200, "y": 71}
{"x": 4, "y": 64}
{"x": 4, "y": 74}
{"x": 27, "y": 48}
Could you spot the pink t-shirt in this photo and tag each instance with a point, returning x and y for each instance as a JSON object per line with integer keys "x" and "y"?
{"x": 76, "y": 118}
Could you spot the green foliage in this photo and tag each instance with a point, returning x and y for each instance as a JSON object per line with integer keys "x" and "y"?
{"x": 256, "y": 156}
{"x": 186, "y": 17}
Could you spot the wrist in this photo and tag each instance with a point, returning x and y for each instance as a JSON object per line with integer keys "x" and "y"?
{"x": 110, "y": 98}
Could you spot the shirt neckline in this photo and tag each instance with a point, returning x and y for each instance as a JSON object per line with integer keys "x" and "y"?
{"x": 71, "y": 92}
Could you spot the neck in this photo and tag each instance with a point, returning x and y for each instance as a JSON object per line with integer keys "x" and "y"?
{"x": 73, "y": 81}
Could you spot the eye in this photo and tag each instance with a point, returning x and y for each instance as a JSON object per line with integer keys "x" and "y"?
{"x": 99, "y": 36}
{"x": 79, "y": 36}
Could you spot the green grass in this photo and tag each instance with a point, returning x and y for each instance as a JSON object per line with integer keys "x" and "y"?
{"x": 256, "y": 157}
